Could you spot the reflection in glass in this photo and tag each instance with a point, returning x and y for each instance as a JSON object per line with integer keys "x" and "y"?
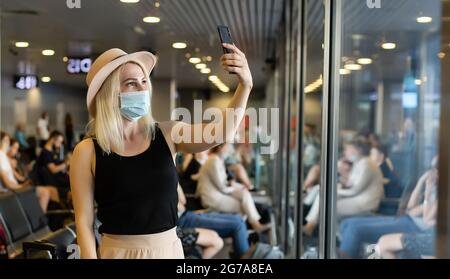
{"x": 389, "y": 97}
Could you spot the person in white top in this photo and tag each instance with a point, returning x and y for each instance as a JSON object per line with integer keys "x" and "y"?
{"x": 358, "y": 194}
{"x": 218, "y": 194}
{"x": 42, "y": 129}
{"x": 7, "y": 179}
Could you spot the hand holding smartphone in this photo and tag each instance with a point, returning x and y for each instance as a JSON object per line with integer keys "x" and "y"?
{"x": 225, "y": 37}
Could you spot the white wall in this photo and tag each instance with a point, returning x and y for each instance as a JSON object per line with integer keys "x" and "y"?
{"x": 56, "y": 99}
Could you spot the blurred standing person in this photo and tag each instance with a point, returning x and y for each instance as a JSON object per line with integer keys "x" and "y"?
{"x": 69, "y": 131}
{"x": 42, "y": 129}
{"x": 19, "y": 135}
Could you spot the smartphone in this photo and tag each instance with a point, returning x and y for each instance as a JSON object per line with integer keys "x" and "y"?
{"x": 225, "y": 37}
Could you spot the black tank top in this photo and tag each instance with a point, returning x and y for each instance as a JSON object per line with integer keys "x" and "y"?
{"x": 137, "y": 194}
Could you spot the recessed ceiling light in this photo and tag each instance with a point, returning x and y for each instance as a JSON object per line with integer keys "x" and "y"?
{"x": 200, "y": 66}
{"x": 129, "y": 1}
{"x": 151, "y": 19}
{"x": 194, "y": 60}
{"x": 418, "y": 81}
{"x": 388, "y": 45}
{"x": 344, "y": 72}
{"x": 205, "y": 71}
{"x": 441, "y": 55}
{"x": 424, "y": 19}
{"x": 179, "y": 45}
{"x": 157, "y": 4}
{"x": 22, "y": 44}
{"x": 364, "y": 61}
{"x": 352, "y": 66}
{"x": 48, "y": 52}
{"x": 46, "y": 79}
{"x": 65, "y": 59}
{"x": 213, "y": 78}
{"x": 187, "y": 55}
{"x": 208, "y": 58}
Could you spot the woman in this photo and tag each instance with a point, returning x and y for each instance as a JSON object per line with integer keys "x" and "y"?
{"x": 190, "y": 171}
{"x": 9, "y": 182}
{"x": 21, "y": 175}
{"x": 217, "y": 195}
{"x": 392, "y": 188}
{"x": 359, "y": 194}
{"x": 127, "y": 164}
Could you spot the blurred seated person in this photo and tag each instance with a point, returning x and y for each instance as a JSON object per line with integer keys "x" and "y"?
{"x": 407, "y": 245}
{"x": 358, "y": 194}
{"x": 21, "y": 174}
{"x": 191, "y": 171}
{"x": 217, "y": 194}
{"x": 356, "y": 231}
{"x": 226, "y": 225}
{"x": 51, "y": 169}
{"x": 206, "y": 238}
{"x": 9, "y": 182}
{"x": 392, "y": 188}
{"x": 233, "y": 162}
{"x": 311, "y": 153}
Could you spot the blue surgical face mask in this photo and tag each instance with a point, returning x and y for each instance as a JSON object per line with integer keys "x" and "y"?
{"x": 353, "y": 158}
{"x": 134, "y": 105}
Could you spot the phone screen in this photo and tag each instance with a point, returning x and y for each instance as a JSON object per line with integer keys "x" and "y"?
{"x": 225, "y": 37}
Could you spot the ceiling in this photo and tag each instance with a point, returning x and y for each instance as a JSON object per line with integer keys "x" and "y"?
{"x": 102, "y": 24}
{"x": 363, "y": 30}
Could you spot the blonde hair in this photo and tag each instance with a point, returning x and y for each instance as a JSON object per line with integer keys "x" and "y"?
{"x": 106, "y": 125}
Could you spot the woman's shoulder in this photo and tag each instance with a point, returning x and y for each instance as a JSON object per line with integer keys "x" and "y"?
{"x": 86, "y": 146}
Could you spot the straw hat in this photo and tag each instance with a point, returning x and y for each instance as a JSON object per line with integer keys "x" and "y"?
{"x": 106, "y": 63}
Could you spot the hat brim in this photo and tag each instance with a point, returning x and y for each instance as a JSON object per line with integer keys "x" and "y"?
{"x": 147, "y": 59}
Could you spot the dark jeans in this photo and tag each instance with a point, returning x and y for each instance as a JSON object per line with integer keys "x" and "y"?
{"x": 358, "y": 230}
{"x": 226, "y": 225}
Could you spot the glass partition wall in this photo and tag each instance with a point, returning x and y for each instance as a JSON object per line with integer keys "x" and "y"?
{"x": 360, "y": 96}
{"x": 386, "y": 88}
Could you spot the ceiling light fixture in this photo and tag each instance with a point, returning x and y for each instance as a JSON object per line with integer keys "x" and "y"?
{"x": 205, "y": 71}
{"x": 388, "y": 46}
{"x": 179, "y": 45}
{"x": 129, "y": 1}
{"x": 22, "y": 44}
{"x": 352, "y": 66}
{"x": 151, "y": 19}
{"x": 194, "y": 60}
{"x": 200, "y": 66}
{"x": 46, "y": 79}
{"x": 48, "y": 52}
{"x": 424, "y": 19}
{"x": 364, "y": 61}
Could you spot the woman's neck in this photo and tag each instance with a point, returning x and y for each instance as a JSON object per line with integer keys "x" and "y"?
{"x": 130, "y": 130}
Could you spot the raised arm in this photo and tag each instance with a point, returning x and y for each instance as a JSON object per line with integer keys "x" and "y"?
{"x": 82, "y": 184}
{"x": 233, "y": 62}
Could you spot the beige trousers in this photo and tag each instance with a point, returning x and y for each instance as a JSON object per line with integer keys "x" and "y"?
{"x": 164, "y": 245}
